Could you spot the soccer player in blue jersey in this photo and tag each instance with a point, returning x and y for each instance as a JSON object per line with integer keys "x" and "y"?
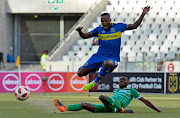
{"x": 118, "y": 103}
{"x": 108, "y": 54}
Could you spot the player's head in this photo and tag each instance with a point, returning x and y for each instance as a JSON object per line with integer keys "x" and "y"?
{"x": 106, "y": 21}
{"x": 45, "y": 51}
{"x": 123, "y": 81}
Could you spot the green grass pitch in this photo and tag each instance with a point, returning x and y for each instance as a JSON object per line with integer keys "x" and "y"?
{"x": 41, "y": 105}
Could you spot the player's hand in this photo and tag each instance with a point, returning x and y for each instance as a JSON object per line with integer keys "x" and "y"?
{"x": 79, "y": 29}
{"x": 146, "y": 10}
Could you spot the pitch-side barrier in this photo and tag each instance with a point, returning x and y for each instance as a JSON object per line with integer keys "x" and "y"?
{"x": 163, "y": 82}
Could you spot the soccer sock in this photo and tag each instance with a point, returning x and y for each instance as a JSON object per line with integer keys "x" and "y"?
{"x": 114, "y": 103}
{"x": 74, "y": 107}
{"x": 102, "y": 72}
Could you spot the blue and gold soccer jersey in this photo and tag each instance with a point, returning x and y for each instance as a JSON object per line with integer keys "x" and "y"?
{"x": 110, "y": 40}
{"x": 109, "y": 46}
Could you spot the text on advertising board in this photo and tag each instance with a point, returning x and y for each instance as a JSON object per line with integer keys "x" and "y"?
{"x": 143, "y": 82}
{"x": 77, "y": 82}
{"x": 56, "y": 82}
{"x": 10, "y": 82}
{"x": 33, "y": 82}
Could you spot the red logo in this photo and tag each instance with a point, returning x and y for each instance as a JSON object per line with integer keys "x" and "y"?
{"x": 170, "y": 67}
{"x": 33, "y": 82}
{"x": 77, "y": 83}
{"x": 10, "y": 82}
{"x": 56, "y": 82}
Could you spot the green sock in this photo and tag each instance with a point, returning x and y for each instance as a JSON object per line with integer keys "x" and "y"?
{"x": 113, "y": 103}
{"x": 74, "y": 107}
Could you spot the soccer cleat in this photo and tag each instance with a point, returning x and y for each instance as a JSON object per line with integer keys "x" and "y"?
{"x": 60, "y": 106}
{"x": 89, "y": 86}
{"x": 123, "y": 109}
{"x": 129, "y": 111}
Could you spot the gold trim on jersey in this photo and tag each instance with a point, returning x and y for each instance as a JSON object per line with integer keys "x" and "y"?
{"x": 118, "y": 102}
{"x": 111, "y": 36}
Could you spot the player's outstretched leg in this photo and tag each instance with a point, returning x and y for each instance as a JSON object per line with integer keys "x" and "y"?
{"x": 73, "y": 107}
{"x": 60, "y": 106}
{"x": 107, "y": 100}
{"x": 106, "y": 68}
{"x": 102, "y": 72}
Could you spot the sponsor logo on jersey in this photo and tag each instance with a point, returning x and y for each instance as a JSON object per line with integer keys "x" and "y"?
{"x": 10, "y": 82}
{"x": 77, "y": 82}
{"x": 111, "y": 36}
{"x": 56, "y": 82}
{"x": 33, "y": 82}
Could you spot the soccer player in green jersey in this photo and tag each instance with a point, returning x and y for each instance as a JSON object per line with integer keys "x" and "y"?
{"x": 118, "y": 103}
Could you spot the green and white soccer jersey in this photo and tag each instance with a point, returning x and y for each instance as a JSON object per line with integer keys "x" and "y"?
{"x": 125, "y": 95}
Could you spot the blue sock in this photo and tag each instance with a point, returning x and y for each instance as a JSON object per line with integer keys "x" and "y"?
{"x": 102, "y": 72}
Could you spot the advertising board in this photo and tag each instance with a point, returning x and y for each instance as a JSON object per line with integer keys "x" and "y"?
{"x": 143, "y": 82}
{"x": 56, "y": 81}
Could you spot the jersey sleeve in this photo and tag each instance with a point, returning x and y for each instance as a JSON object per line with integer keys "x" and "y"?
{"x": 135, "y": 94}
{"x": 95, "y": 31}
{"x": 122, "y": 27}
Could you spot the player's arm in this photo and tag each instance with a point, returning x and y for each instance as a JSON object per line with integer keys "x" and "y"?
{"x": 149, "y": 104}
{"x": 82, "y": 34}
{"x": 138, "y": 22}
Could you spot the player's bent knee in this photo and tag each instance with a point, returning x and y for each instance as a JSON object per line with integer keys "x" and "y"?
{"x": 83, "y": 105}
{"x": 79, "y": 74}
{"x": 108, "y": 63}
{"x": 102, "y": 97}
{"x": 82, "y": 72}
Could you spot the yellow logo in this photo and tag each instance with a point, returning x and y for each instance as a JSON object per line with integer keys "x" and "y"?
{"x": 173, "y": 82}
{"x": 110, "y": 36}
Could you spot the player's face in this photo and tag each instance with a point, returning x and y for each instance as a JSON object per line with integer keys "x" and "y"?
{"x": 106, "y": 22}
{"x": 123, "y": 82}
{"x": 46, "y": 52}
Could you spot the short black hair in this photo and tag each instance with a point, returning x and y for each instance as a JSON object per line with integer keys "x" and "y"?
{"x": 126, "y": 76}
{"x": 105, "y": 14}
{"x": 45, "y": 50}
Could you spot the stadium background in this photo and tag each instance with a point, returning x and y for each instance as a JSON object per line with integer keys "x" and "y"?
{"x": 29, "y": 27}
{"x": 149, "y": 55}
